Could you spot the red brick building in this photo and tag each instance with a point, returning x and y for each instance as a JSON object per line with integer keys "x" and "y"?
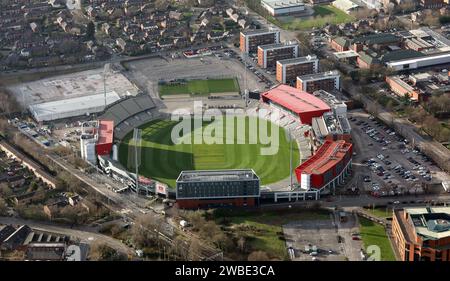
{"x": 422, "y": 233}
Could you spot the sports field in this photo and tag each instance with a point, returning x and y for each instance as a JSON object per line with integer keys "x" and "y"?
{"x": 375, "y": 234}
{"x": 163, "y": 160}
{"x": 323, "y": 14}
{"x": 200, "y": 87}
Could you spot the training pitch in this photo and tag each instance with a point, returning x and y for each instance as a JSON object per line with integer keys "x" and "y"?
{"x": 163, "y": 160}
{"x": 200, "y": 87}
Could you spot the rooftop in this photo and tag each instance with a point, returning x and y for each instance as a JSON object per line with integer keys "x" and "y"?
{"x": 217, "y": 175}
{"x": 298, "y": 60}
{"x": 319, "y": 76}
{"x": 417, "y": 59}
{"x": 345, "y": 54}
{"x": 74, "y": 106}
{"x": 430, "y": 222}
{"x": 379, "y": 38}
{"x": 67, "y": 86}
{"x": 279, "y": 4}
{"x": 258, "y": 31}
{"x": 330, "y": 153}
{"x": 105, "y": 131}
{"x": 296, "y": 100}
{"x": 277, "y": 46}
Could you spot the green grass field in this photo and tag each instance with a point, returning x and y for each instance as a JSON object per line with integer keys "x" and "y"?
{"x": 163, "y": 160}
{"x": 323, "y": 14}
{"x": 375, "y": 234}
{"x": 380, "y": 212}
{"x": 200, "y": 87}
{"x": 264, "y": 228}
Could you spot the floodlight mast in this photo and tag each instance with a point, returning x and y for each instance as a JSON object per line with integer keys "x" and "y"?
{"x": 106, "y": 71}
{"x": 137, "y": 143}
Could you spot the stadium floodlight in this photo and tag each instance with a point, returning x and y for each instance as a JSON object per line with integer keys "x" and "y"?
{"x": 290, "y": 157}
{"x": 106, "y": 71}
{"x": 137, "y": 141}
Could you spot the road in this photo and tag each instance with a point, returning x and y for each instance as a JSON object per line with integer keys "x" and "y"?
{"x": 85, "y": 234}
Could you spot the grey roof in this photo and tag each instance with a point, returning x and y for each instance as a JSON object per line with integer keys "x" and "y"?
{"x": 124, "y": 109}
{"x": 276, "y": 46}
{"x": 318, "y": 76}
{"x": 5, "y": 232}
{"x": 380, "y": 38}
{"x": 401, "y": 55}
{"x": 257, "y": 31}
{"x": 217, "y": 175}
{"x": 298, "y": 60}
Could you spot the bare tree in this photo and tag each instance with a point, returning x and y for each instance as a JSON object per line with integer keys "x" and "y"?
{"x": 3, "y": 207}
{"x": 258, "y": 256}
{"x": 194, "y": 250}
{"x": 102, "y": 252}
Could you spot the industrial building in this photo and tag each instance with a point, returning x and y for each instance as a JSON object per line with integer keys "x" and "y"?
{"x": 217, "y": 188}
{"x": 327, "y": 81}
{"x": 422, "y": 233}
{"x": 268, "y": 55}
{"x": 414, "y": 63}
{"x": 283, "y": 7}
{"x": 295, "y": 102}
{"x": 250, "y": 39}
{"x": 288, "y": 69}
{"x": 327, "y": 168}
{"x": 73, "y": 107}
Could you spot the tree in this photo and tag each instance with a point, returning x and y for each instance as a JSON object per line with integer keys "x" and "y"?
{"x": 5, "y": 190}
{"x": 3, "y": 207}
{"x": 194, "y": 250}
{"x": 103, "y": 252}
{"x": 90, "y": 31}
{"x": 242, "y": 244}
{"x": 258, "y": 256}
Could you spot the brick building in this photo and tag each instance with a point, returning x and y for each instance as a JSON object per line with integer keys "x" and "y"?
{"x": 250, "y": 39}
{"x": 327, "y": 81}
{"x": 288, "y": 70}
{"x": 268, "y": 55}
{"x": 422, "y": 233}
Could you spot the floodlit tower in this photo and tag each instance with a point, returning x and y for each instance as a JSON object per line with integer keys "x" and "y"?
{"x": 137, "y": 139}
{"x": 106, "y": 72}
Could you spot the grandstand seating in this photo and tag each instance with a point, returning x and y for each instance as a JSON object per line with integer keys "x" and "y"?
{"x": 130, "y": 113}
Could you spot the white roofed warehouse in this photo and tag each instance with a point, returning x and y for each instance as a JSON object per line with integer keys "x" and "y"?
{"x": 67, "y": 108}
{"x": 283, "y": 7}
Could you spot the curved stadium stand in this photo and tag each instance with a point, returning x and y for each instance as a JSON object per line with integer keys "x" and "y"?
{"x": 130, "y": 113}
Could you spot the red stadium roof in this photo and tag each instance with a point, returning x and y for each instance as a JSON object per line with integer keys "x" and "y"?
{"x": 295, "y": 100}
{"x": 326, "y": 157}
{"x": 105, "y": 132}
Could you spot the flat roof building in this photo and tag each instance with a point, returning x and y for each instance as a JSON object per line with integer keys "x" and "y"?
{"x": 288, "y": 69}
{"x": 327, "y": 81}
{"x": 327, "y": 168}
{"x": 295, "y": 102}
{"x": 268, "y": 55}
{"x": 215, "y": 188}
{"x": 67, "y": 108}
{"x": 418, "y": 62}
{"x": 402, "y": 88}
{"x": 347, "y": 6}
{"x": 283, "y": 7}
{"x": 250, "y": 39}
{"x": 422, "y": 233}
